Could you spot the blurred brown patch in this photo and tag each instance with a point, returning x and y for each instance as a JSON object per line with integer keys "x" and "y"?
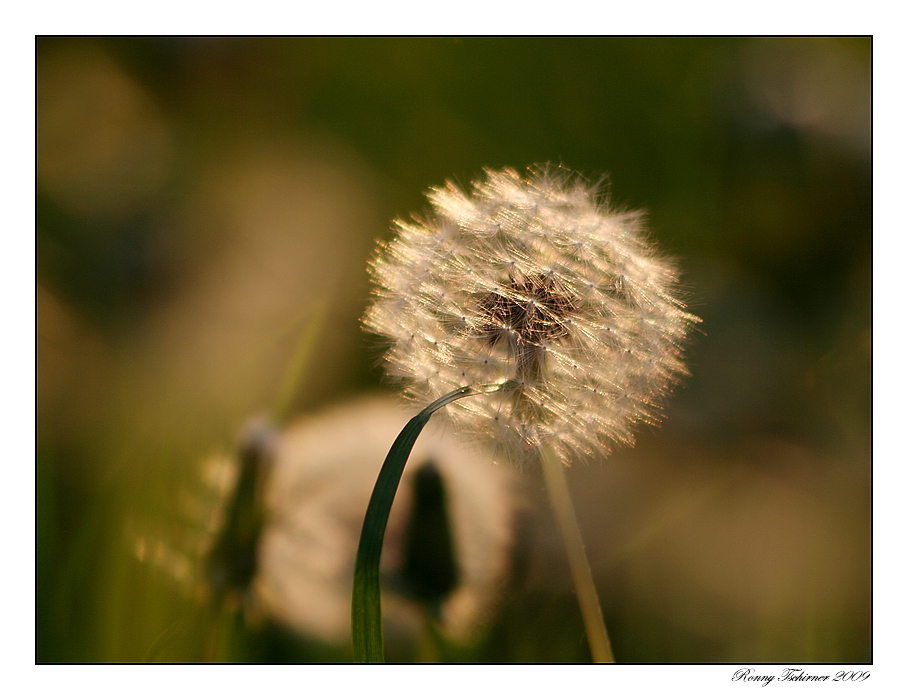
{"x": 761, "y": 555}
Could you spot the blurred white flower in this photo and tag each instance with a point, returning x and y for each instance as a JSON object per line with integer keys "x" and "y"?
{"x": 275, "y": 530}
{"x": 322, "y": 476}
{"x": 534, "y": 285}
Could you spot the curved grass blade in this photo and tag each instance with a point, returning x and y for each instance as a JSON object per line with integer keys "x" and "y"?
{"x": 368, "y": 645}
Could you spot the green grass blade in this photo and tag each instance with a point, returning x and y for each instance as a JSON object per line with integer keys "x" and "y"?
{"x": 368, "y": 645}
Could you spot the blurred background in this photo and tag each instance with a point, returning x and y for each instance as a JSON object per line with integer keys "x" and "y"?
{"x": 206, "y": 208}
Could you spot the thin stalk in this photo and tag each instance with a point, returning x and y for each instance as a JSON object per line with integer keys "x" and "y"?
{"x": 298, "y": 364}
{"x": 560, "y": 498}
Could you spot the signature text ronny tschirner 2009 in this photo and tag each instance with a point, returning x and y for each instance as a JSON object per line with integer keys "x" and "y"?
{"x": 798, "y": 674}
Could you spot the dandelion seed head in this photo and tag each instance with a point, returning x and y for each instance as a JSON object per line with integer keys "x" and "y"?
{"x": 531, "y": 284}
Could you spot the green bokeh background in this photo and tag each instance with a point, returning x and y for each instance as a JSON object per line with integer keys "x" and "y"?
{"x": 197, "y": 199}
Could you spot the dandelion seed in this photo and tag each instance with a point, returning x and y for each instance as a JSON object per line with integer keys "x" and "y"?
{"x": 535, "y": 286}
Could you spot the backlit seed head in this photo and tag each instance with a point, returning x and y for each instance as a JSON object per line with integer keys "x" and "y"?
{"x": 534, "y": 285}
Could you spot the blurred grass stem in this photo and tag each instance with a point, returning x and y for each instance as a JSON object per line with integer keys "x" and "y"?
{"x": 299, "y": 363}
{"x": 587, "y": 597}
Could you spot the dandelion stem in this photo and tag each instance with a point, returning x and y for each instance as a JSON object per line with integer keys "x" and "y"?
{"x": 368, "y": 645}
{"x": 560, "y": 498}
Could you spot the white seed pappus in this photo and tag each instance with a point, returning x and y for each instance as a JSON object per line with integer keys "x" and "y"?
{"x": 533, "y": 285}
